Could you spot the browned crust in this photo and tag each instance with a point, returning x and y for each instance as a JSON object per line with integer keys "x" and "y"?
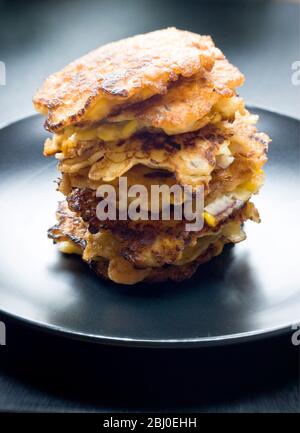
{"x": 120, "y": 71}
{"x": 167, "y": 273}
{"x": 135, "y": 240}
{"x": 190, "y": 157}
{"x": 71, "y": 227}
{"x": 188, "y": 101}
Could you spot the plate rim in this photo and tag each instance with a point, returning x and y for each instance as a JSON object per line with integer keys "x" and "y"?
{"x": 209, "y": 341}
{"x": 172, "y": 343}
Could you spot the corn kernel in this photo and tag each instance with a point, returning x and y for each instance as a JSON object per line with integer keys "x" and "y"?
{"x": 69, "y": 247}
{"x": 129, "y": 129}
{"x": 108, "y": 132}
{"x": 210, "y": 219}
{"x": 250, "y": 186}
{"x": 86, "y": 135}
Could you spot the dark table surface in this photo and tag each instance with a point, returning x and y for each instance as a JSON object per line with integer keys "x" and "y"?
{"x": 43, "y": 372}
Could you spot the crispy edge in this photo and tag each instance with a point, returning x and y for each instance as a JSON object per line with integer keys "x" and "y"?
{"x": 119, "y": 70}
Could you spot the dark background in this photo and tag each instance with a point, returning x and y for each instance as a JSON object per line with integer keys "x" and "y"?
{"x": 41, "y": 372}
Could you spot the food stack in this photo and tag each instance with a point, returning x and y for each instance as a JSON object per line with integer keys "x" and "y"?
{"x": 155, "y": 109}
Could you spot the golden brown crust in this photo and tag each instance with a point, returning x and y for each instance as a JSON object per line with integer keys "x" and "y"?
{"x": 191, "y": 156}
{"x": 161, "y": 108}
{"x": 71, "y": 227}
{"x": 122, "y": 72}
{"x": 181, "y": 273}
{"x": 172, "y": 273}
{"x": 188, "y": 103}
{"x": 152, "y": 249}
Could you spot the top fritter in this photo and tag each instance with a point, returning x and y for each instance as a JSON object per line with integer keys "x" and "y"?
{"x": 119, "y": 74}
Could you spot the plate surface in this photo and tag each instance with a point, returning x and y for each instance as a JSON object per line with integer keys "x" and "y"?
{"x": 251, "y": 290}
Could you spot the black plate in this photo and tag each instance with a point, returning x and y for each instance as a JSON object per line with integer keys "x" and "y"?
{"x": 251, "y": 290}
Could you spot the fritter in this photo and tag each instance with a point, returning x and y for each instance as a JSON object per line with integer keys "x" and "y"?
{"x": 159, "y": 109}
{"x": 190, "y": 103}
{"x": 121, "y": 73}
{"x": 163, "y": 257}
{"x": 191, "y": 157}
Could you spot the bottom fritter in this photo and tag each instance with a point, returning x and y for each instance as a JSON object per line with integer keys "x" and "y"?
{"x": 106, "y": 253}
{"x": 167, "y": 272}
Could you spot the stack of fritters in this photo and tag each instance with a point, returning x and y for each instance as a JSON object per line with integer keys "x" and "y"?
{"x": 159, "y": 108}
